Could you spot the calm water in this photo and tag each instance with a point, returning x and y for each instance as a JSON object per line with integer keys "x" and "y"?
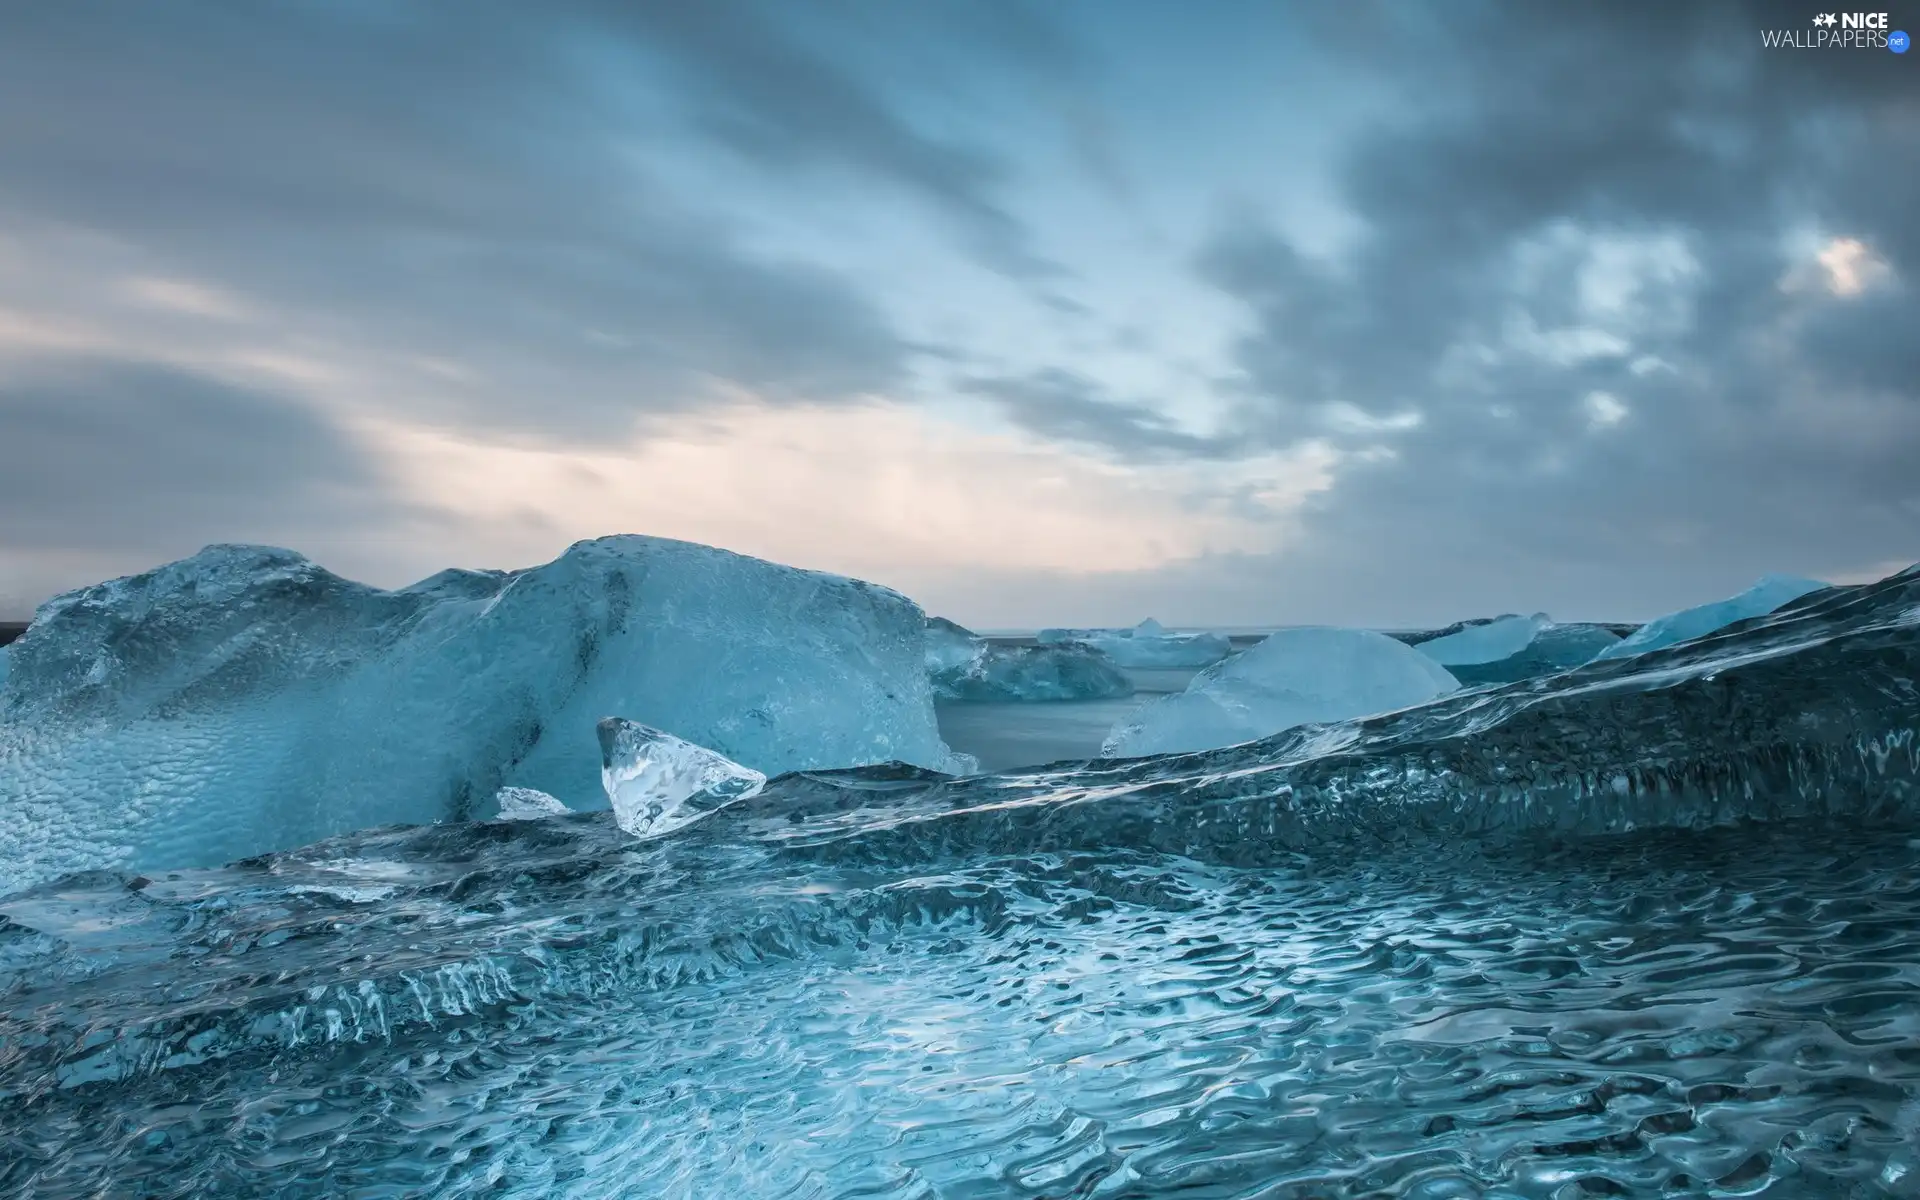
{"x": 1005, "y": 736}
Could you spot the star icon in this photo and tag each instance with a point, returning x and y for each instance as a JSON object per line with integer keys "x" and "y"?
{"x": 1826, "y": 19}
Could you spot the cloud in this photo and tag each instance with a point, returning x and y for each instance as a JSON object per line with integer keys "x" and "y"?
{"x": 883, "y": 491}
{"x": 455, "y": 191}
{"x": 1602, "y": 354}
{"x": 1072, "y": 408}
{"x": 109, "y": 466}
{"x": 1536, "y": 274}
{"x": 754, "y": 84}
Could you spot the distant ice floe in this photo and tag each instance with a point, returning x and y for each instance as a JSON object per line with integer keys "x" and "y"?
{"x": 1762, "y": 598}
{"x": 1147, "y": 645}
{"x": 1295, "y": 677}
{"x": 965, "y": 667}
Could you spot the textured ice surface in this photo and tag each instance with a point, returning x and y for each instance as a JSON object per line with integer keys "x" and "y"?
{"x": 1650, "y": 928}
{"x": 964, "y": 667}
{"x": 3, "y": 666}
{"x": 1294, "y": 677}
{"x": 1757, "y": 601}
{"x": 1146, "y": 646}
{"x": 1502, "y": 637}
{"x": 527, "y": 804}
{"x": 659, "y": 783}
{"x": 245, "y": 699}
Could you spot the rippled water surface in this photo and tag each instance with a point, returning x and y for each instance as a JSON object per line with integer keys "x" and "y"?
{"x": 1648, "y": 929}
{"x": 1726, "y": 1013}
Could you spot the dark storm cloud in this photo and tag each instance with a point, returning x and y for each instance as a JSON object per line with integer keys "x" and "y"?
{"x": 454, "y": 178}
{"x": 101, "y": 455}
{"x": 1067, "y": 407}
{"x": 1764, "y": 428}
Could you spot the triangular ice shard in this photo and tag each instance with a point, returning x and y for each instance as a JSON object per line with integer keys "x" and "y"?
{"x": 658, "y": 783}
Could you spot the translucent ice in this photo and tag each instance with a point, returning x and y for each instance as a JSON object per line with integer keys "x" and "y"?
{"x": 245, "y": 699}
{"x": 1147, "y": 645}
{"x": 527, "y": 804}
{"x": 659, "y": 783}
{"x": 1500, "y": 638}
{"x": 3, "y": 666}
{"x": 1757, "y": 601}
{"x": 964, "y": 667}
{"x": 1295, "y": 677}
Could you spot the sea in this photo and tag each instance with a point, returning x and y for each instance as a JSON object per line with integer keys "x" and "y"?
{"x": 1648, "y": 927}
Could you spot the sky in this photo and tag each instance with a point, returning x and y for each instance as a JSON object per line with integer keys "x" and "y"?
{"x": 1231, "y": 314}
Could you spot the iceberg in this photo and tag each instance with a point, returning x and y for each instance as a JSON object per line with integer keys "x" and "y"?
{"x": 1554, "y": 649}
{"x": 966, "y": 668}
{"x": 1146, "y": 646}
{"x": 659, "y": 783}
{"x": 527, "y": 804}
{"x": 950, "y": 647}
{"x": 1762, "y": 598}
{"x": 245, "y": 699}
{"x": 3, "y": 666}
{"x": 1035, "y": 673}
{"x": 1502, "y": 637}
{"x": 1310, "y": 675}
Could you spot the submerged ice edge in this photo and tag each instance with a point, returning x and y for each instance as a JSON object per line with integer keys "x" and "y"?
{"x": 1806, "y": 716}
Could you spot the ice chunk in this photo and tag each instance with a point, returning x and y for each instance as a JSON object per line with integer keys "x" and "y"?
{"x": 245, "y": 699}
{"x": 1295, "y": 677}
{"x": 1147, "y": 645}
{"x": 1035, "y": 673}
{"x": 950, "y": 647}
{"x": 964, "y": 667}
{"x": 527, "y": 804}
{"x": 1168, "y": 650}
{"x": 1555, "y": 648}
{"x": 1502, "y": 637}
{"x": 3, "y": 666}
{"x": 659, "y": 783}
{"x": 1757, "y": 601}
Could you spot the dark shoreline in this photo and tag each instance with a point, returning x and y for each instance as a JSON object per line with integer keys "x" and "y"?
{"x": 10, "y": 630}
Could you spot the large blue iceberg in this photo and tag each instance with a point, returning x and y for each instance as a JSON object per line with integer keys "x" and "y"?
{"x": 246, "y": 700}
{"x": 1762, "y": 598}
{"x": 967, "y": 668}
{"x": 1300, "y": 676}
